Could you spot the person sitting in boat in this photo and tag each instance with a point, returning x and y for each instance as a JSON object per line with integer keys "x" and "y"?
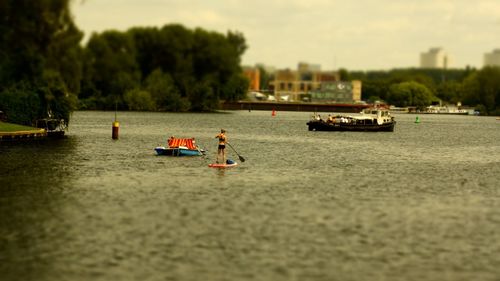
{"x": 330, "y": 119}
{"x": 221, "y": 149}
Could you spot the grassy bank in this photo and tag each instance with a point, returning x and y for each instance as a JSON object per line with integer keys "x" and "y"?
{"x": 9, "y": 127}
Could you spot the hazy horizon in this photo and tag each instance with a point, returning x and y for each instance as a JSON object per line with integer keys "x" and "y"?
{"x": 358, "y": 35}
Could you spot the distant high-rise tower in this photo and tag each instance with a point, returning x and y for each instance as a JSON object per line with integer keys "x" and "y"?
{"x": 434, "y": 58}
{"x": 308, "y": 67}
{"x": 493, "y": 58}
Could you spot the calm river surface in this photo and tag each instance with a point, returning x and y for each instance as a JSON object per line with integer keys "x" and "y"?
{"x": 421, "y": 203}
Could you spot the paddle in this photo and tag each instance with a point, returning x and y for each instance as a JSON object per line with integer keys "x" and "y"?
{"x": 239, "y": 156}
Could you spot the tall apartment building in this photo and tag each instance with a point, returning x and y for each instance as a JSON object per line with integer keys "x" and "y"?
{"x": 434, "y": 58}
{"x": 295, "y": 84}
{"x": 493, "y": 58}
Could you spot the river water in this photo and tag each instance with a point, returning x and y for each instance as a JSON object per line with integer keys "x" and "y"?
{"x": 420, "y": 203}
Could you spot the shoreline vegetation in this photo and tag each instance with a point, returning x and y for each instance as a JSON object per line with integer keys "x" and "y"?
{"x": 45, "y": 73}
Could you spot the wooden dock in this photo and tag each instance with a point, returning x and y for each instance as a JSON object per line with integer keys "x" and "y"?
{"x": 23, "y": 135}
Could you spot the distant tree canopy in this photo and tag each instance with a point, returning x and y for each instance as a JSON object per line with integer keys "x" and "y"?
{"x": 419, "y": 87}
{"x": 410, "y": 94}
{"x": 40, "y": 64}
{"x": 483, "y": 88}
{"x": 265, "y": 78}
{"x": 179, "y": 68}
{"x": 44, "y": 72}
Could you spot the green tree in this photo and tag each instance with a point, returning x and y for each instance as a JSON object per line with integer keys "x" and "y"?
{"x": 265, "y": 78}
{"x": 236, "y": 87}
{"x": 168, "y": 48}
{"x": 202, "y": 96}
{"x": 216, "y": 59}
{"x": 471, "y": 89}
{"x": 450, "y": 91}
{"x": 483, "y": 88}
{"x": 110, "y": 68}
{"x": 192, "y": 68}
{"x": 344, "y": 75}
{"x": 140, "y": 100}
{"x": 410, "y": 94}
{"x": 165, "y": 93}
{"x": 22, "y": 103}
{"x": 39, "y": 49}
{"x": 375, "y": 90}
{"x": 55, "y": 95}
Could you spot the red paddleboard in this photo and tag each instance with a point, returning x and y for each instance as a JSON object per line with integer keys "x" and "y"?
{"x": 215, "y": 165}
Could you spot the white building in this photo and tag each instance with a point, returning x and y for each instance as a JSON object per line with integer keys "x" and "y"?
{"x": 434, "y": 58}
{"x": 493, "y": 58}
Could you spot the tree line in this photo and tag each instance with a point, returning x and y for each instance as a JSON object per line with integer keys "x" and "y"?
{"x": 162, "y": 69}
{"x": 40, "y": 60}
{"x": 478, "y": 88}
{"x": 45, "y": 72}
{"x": 420, "y": 87}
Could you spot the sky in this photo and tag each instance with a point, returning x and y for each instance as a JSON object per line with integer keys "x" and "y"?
{"x": 358, "y": 35}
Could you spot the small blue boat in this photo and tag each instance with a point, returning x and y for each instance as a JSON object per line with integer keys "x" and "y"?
{"x": 180, "y": 147}
{"x": 178, "y": 151}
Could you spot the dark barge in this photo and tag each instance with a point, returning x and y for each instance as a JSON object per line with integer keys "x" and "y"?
{"x": 369, "y": 120}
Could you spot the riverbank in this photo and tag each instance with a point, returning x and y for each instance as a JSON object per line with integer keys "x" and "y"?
{"x": 9, "y": 131}
{"x": 294, "y": 106}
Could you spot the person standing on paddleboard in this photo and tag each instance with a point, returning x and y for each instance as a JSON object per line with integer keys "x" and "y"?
{"x": 221, "y": 150}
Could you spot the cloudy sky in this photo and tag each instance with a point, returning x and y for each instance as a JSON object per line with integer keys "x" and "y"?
{"x": 357, "y": 34}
